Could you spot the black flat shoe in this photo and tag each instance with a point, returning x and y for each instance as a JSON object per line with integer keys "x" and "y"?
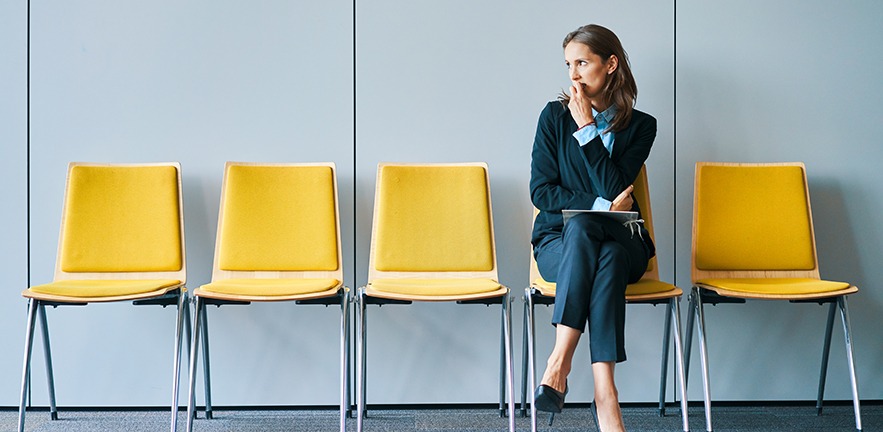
{"x": 548, "y": 399}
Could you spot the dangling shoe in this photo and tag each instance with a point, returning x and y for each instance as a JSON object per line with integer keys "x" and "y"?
{"x": 548, "y": 399}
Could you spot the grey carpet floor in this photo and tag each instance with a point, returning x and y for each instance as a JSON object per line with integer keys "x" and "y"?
{"x": 726, "y": 419}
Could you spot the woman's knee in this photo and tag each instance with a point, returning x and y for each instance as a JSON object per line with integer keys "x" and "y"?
{"x": 581, "y": 226}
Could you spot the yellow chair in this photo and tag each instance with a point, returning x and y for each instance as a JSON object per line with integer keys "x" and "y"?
{"x": 753, "y": 239}
{"x": 122, "y": 239}
{"x": 432, "y": 240}
{"x": 648, "y": 290}
{"x": 278, "y": 240}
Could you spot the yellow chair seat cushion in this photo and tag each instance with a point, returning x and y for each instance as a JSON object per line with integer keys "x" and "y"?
{"x": 641, "y": 287}
{"x": 103, "y": 288}
{"x": 776, "y": 286}
{"x": 271, "y": 287}
{"x": 435, "y": 287}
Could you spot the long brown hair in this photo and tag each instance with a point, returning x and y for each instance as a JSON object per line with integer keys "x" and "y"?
{"x": 620, "y": 88}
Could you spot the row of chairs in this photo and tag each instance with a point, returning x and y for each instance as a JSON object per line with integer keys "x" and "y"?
{"x": 122, "y": 238}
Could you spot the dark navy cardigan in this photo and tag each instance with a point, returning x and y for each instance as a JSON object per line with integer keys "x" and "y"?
{"x": 564, "y": 175}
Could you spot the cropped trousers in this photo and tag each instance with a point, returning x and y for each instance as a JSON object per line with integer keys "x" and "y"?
{"x": 592, "y": 262}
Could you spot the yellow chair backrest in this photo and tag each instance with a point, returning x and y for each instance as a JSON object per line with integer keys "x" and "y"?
{"x": 752, "y": 220}
{"x": 122, "y": 220}
{"x": 432, "y": 218}
{"x": 641, "y": 195}
{"x": 278, "y": 220}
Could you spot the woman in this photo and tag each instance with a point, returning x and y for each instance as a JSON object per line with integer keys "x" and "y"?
{"x": 589, "y": 147}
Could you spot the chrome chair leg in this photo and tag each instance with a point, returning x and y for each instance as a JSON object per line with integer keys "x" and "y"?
{"x": 502, "y": 367}
{"x": 507, "y": 334}
{"x": 847, "y": 333}
{"x": 206, "y": 369}
{"x": 679, "y": 361}
{"x": 688, "y": 334}
{"x": 524, "y": 355}
{"x": 47, "y": 353}
{"x": 179, "y": 328}
{"x": 532, "y": 356}
{"x": 344, "y": 353}
{"x": 666, "y": 342}
{"x": 703, "y": 357}
{"x": 26, "y": 364}
{"x": 360, "y": 360}
{"x": 826, "y": 352}
{"x": 194, "y": 354}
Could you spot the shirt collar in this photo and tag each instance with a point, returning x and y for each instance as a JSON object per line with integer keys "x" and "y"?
{"x": 603, "y": 119}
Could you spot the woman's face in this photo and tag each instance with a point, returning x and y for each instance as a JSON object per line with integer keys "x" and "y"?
{"x": 587, "y": 68}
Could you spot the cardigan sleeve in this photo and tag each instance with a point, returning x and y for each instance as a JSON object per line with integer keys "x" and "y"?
{"x": 546, "y": 190}
{"x": 611, "y": 176}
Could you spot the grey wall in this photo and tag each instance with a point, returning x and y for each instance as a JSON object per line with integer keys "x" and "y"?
{"x": 789, "y": 81}
{"x": 206, "y": 82}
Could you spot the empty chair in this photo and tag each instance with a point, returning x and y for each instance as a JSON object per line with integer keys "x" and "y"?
{"x": 432, "y": 240}
{"x": 753, "y": 238}
{"x": 278, "y": 240}
{"x": 122, "y": 239}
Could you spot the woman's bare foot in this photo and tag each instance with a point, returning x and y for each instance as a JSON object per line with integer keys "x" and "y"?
{"x": 556, "y": 374}
{"x": 609, "y": 414}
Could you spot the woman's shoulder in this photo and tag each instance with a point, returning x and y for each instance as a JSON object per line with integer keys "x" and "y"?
{"x": 553, "y": 111}
{"x": 639, "y": 117}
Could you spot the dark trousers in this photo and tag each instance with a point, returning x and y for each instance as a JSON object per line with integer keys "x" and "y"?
{"x": 591, "y": 263}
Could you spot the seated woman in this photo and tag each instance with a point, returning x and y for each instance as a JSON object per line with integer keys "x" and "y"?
{"x": 589, "y": 147}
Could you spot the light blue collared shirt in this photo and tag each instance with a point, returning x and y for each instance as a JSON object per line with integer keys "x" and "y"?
{"x": 588, "y": 133}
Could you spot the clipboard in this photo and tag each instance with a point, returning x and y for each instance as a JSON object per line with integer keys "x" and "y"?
{"x": 624, "y": 217}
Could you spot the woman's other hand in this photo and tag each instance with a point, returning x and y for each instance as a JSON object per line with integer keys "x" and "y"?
{"x": 623, "y": 201}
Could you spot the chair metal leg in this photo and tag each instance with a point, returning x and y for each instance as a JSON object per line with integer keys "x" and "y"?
{"x": 502, "y": 368}
{"x": 47, "y": 353}
{"x": 349, "y": 353}
{"x": 179, "y": 328}
{"x": 675, "y": 308}
{"x": 847, "y": 333}
{"x": 688, "y": 335}
{"x": 826, "y": 352}
{"x": 206, "y": 369}
{"x": 344, "y": 353}
{"x": 524, "y": 355}
{"x": 194, "y": 353}
{"x": 532, "y": 356}
{"x": 26, "y": 363}
{"x": 703, "y": 357}
{"x": 360, "y": 360}
{"x": 507, "y": 334}
{"x": 666, "y": 342}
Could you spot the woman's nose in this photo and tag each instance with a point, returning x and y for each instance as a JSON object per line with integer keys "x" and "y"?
{"x": 574, "y": 76}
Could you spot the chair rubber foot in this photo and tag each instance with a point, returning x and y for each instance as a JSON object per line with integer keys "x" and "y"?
{"x": 523, "y": 413}
{"x": 662, "y": 412}
{"x": 208, "y": 415}
{"x": 53, "y": 415}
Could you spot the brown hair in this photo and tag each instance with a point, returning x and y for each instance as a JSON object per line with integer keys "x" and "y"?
{"x": 620, "y": 89}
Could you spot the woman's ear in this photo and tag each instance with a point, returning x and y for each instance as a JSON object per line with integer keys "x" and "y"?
{"x": 612, "y": 64}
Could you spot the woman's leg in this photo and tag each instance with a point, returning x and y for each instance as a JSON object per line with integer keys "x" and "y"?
{"x": 607, "y": 398}
{"x": 561, "y": 359}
